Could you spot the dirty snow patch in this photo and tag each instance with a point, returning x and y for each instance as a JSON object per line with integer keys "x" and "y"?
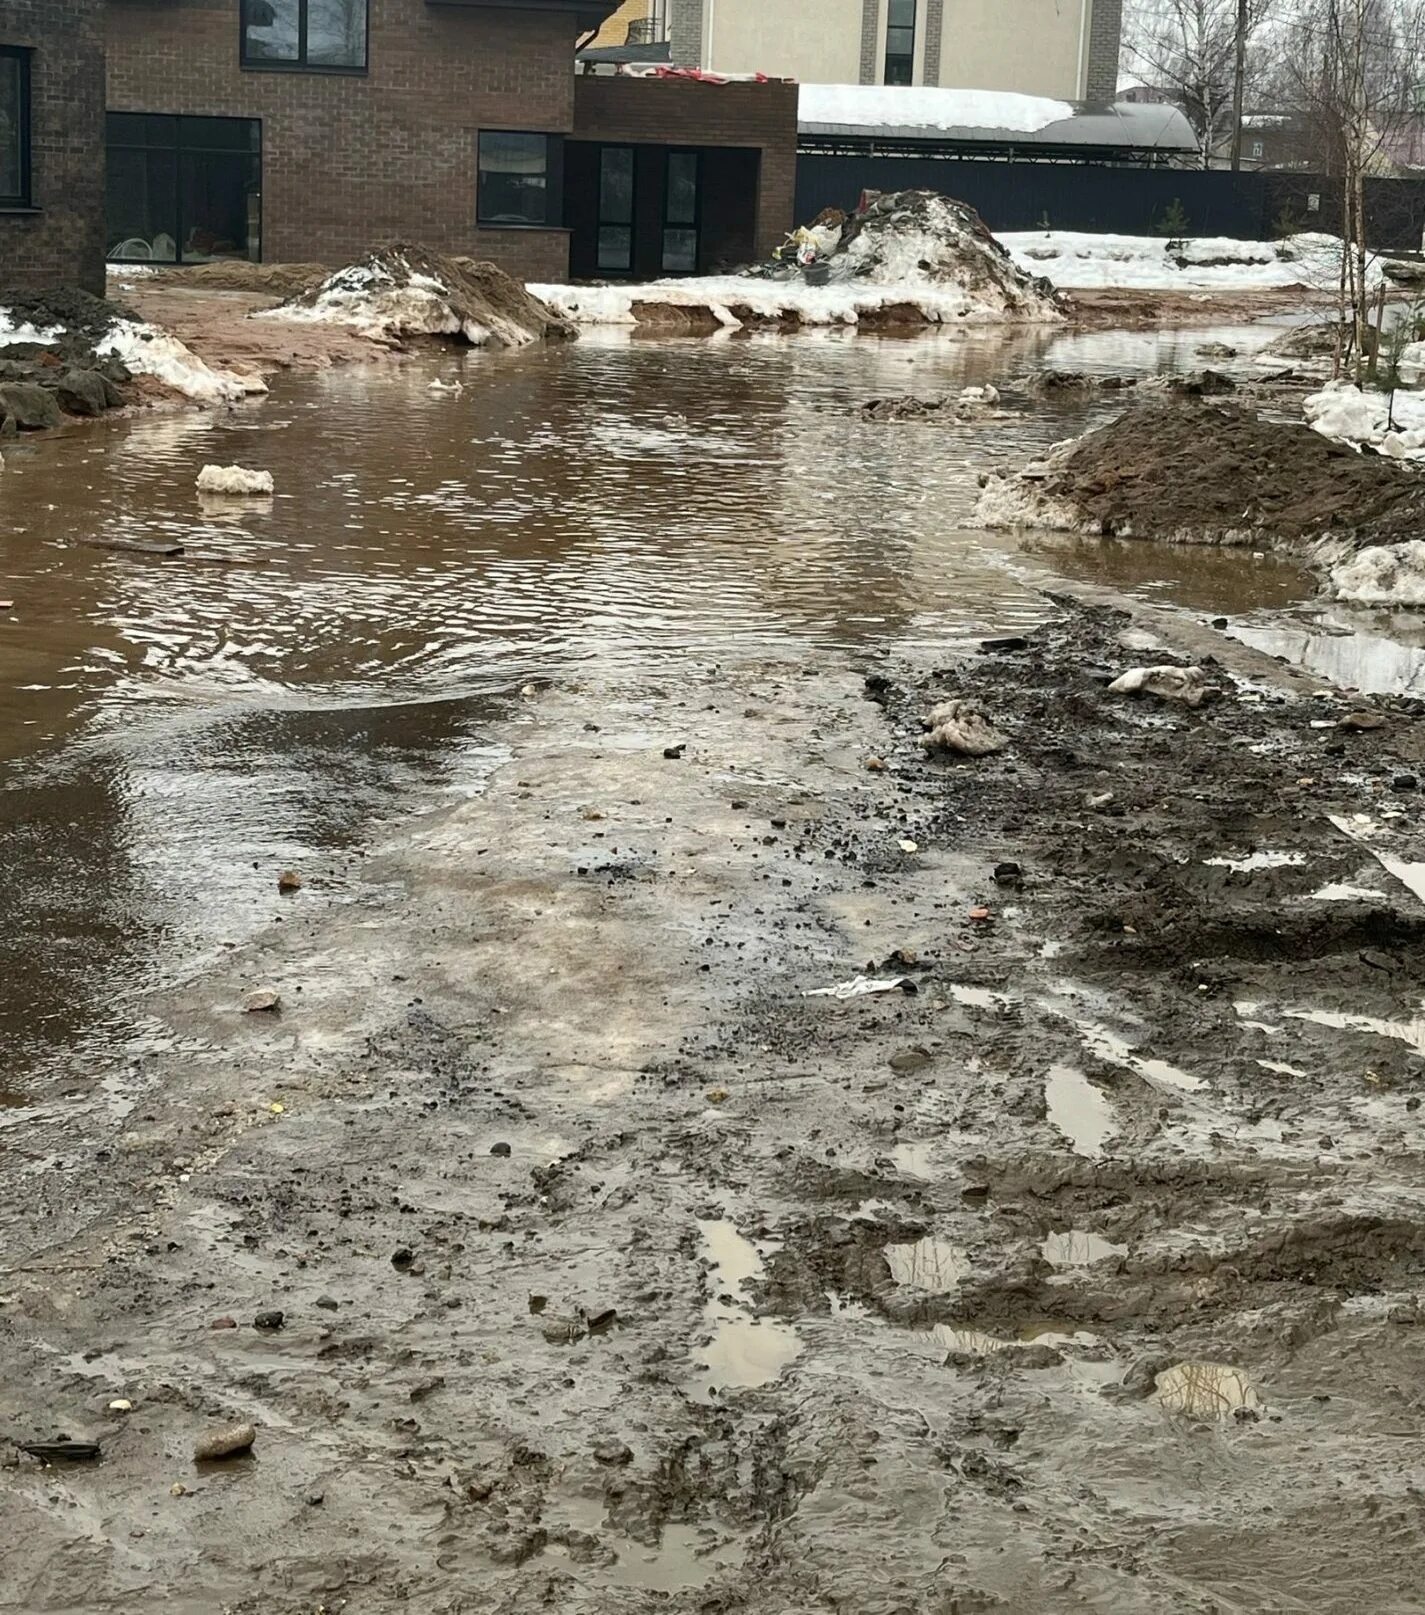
{"x": 1383, "y": 575}
{"x": 148, "y": 351}
{"x": 1085, "y": 261}
{"x": 15, "y": 330}
{"x": 1394, "y": 423}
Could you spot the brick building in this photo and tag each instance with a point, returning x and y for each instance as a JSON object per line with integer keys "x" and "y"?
{"x": 294, "y": 130}
{"x": 51, "y": 144}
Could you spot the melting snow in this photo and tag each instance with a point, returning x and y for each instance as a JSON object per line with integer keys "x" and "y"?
{"x": 148, "y": 351}
{"x": 1209, "y": 263}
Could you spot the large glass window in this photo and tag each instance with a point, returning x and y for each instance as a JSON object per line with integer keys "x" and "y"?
{"x": 616, "y": 209}
{"x": 680, "y": 214}
{"x": 14, "y": 127}
{"x": 900, "y": 42}
{"x": 321, "y": 35}
{"x": 514, "y": 178}
{"x": 183, "y": 190}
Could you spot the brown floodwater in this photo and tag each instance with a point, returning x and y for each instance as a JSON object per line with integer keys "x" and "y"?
{"x": 174, "y": 731}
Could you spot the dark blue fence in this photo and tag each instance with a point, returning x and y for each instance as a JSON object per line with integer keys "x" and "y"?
{"x": 1015, "y": 195}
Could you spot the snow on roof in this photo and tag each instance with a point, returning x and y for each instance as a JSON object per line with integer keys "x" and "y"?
{"x": 915, "y": 113}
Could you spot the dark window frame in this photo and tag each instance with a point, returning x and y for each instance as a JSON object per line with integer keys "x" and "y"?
{"x": 900, "y": 45}
{"x": 180, "y": 150}
{"x": 300, "y": 64}
{"x": 695, "y": 224}
{"x": 22, "y": 200}
{"x": 630, "y": 223}
{"x": 553, "y": 182}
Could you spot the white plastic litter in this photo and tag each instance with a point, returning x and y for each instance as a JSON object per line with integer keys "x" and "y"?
{"x": 234, "y": 480}
{"x": 859, "y": 986}
{"x": 1185, "y": 684}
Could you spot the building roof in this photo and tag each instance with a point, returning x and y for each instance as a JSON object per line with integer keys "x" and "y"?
{"x": 921, "y": 113}
{"x": 656, "y": 53}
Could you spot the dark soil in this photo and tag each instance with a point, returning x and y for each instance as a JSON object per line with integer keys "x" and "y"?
{"x": 1219, "y": 473}
{"x": 77, "y": 379}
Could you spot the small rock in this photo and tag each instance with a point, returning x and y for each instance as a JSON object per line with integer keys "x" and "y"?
{"x": 600, "y": 1322}
{"x": 121, "y": 1405}
{"x": 876, "y": 765}
{"x": 315, "y": 1499}
{"x": 981, "y": 916}
{"x": 289, "y": 881}
{"x": 1008, "y": 874}
{"x": 328, "y": 1303}
{"x": 270, "y": 1318}
{"x": 910, "y": 1060}
{"x": 613, "y": 1452}
{"x": 178, "y": 1489}
{"x": 260, "y": 1000}
{"x": 427, "y": 1387}
{"x": 717, "y": 1096}
{"x": 402, "y": 1257}
{"x": 537, "y": 1303}
{"x": 1361, "y": 722}
{"x": 674, "y": 753}
{"x": 225, "y": 1443}
{"x": 501, "y": 1149}
{"x": 223, "y": 1323}
{"x": 1404, "y": 782}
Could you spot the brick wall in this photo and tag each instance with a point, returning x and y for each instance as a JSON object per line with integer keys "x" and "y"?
{"x": 1105, "y": 41}
{"x": 871, "y": 64}
{"x": 934, "y": 39}
{"x": 685, "y": 31}
{"x": 353, "y": 159}
{"x": 61, "y": 242}
{"x": 684, "y": 113}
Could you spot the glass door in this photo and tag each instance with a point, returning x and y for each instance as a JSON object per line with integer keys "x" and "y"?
{"x": 681, "y": 208}
{"x": 615, "y": 210}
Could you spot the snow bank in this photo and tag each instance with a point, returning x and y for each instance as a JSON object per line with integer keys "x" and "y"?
{"x": 13, "y": 329}
{"x": 148, "y": 351}
{"x": 1383, "y": 575}
{"x": 234, "y": 480}
{"x": 911, "y": 252}
{"x": 403, "y": 291}
{"x": 877, "y": 106}
{"x": 1202, "y": 263}
{"x": 1392, "y": 423}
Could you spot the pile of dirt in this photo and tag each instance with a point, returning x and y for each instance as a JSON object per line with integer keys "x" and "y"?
{"x": 49, "y": 366}
{"x": 922, "y": 239}
{"x": 1210, "y": 475}
{"x": 405, "y": 290}
{"x": 237, "y": 275}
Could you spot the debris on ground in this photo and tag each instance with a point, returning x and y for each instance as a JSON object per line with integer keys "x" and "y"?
{"x": 62, "y": 1451}
{"x": 262, "y": 1000}
{"x": 406, "y": 290}
{"x": 904, "y": 258}
{"x": 1185, "y": 684}
{"x": 861, "y": 986}
{"x": 227, "y": 1442}
{"x": 962, "y": 727}
{"x": 234, "y": 481}
{"x": 289, "y": 881}
{"x": 1209, "y": 474}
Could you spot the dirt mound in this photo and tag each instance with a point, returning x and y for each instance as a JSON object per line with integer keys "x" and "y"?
{"x": 405, "y": 290}
{"x": 237, "y": 275}
{"x": 920, "y": 239}
{"x": 1211, "y": 475}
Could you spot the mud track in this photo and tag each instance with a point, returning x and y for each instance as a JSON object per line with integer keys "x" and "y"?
{"x": 618, "y": 1275}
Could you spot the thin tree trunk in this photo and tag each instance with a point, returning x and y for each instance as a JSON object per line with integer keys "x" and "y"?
{"x": 1239, "y": 84}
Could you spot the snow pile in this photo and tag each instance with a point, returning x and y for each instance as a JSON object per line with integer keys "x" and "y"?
{"x": 234, "y": 481}
{"x": 1204, "y": 263}
{"x": 1383, "y": 575}
{"x": 403, "y": 291}
{"x": 906, "y": 257}
{"x": 148, "y": 351}
{"x": 877, "y": 106}
{"x": 1393, "y": 423}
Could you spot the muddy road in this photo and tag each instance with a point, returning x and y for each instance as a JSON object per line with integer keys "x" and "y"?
{"x": 568, "y": 1245}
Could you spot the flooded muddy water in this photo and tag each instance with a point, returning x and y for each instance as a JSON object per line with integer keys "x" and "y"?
{"x": 172, "y": 731}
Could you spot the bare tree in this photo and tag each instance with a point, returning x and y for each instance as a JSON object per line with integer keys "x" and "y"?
{"x": 1202, "y": 53}
{"x": 1352, "y": 70}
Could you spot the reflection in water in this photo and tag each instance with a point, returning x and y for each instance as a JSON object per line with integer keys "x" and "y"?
{"x": 745, "y": 1350}
{"x": 1205, "y": 1390}
{"x": 1079, "y": 1249}
{"x": 1375, "y": 651}
{"x": 932, "y": 1265}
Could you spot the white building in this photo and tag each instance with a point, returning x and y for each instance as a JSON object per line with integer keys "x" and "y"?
{"x": 1066, "y": 49}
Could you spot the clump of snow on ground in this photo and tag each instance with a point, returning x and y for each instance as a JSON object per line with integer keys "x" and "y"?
{"x": 234, "y": 480}
{"x": 1086, "y": 261}
{"x": 1393, "y": 423}
{"x": 909, "y": 250}
{"x": 17, "y": 330}
{"x": 1383, "y": 575}
{"x": 149, "y": 351}
{"x": 403, "y": 291}
{"x": 1021, "y": 501}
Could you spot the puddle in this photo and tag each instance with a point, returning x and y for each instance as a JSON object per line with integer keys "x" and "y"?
{"x": 1117, "y": 1050}
{"x": 969, "y": 1342}
{"x": 1258, "y": 860}
{"x": 687, "y": 1556}
{"x": 1410, "y": 875}
{"x": 745, "y": 1351}
{"x": 1348, "y": 647}
{"x": 1205, "y": 1390}
{"x": 1080, "y": 1111}
{"x": 1411, "y": 1032}
{"x": 1078, "y": 1249}
{"x": 914, "y": 1160}
{"x": 976, "y": 997}
{"x": 932, "y": 1265}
